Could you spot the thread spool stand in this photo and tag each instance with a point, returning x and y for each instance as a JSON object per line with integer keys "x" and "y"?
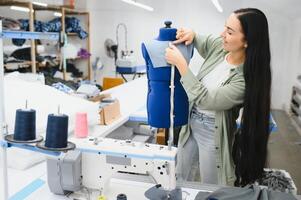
{"x": 10, "y": 138}
{"x": 70, "y": 146}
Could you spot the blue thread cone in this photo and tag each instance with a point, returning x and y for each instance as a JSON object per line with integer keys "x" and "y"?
{"x": 57, "y": 131}
{"x": 25, "y": 125}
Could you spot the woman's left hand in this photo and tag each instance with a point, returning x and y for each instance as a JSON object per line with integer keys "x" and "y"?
{"x": 174, "y": 57}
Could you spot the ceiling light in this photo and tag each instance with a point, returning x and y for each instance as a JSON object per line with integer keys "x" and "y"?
{"x": 18, "y": 8}
{"x": 217, "y": 5}
{"x": 135, "y": 3}
{"x": 40, "y": 4}
{"x": 57, "y": 14}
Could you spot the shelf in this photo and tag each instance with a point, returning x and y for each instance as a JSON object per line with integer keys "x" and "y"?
{"x": 65, "y": 11}
{"x": 70, "y": 11}
{"x": 29, "y": 35}
{"x": 72, "y": 34}
{"x": 77, "y": 58}
{"x": 42, "y": 8}
{"x": 76, "y": 35}
{"x": 20, "y": 64}
{"x": 15, "y": 3}
{"x": 59, "y": 9}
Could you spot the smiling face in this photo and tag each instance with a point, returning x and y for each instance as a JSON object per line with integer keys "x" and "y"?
{"x": 233, "y": 37}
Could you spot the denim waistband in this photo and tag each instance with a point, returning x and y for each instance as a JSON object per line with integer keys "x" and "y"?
{"x": 195, "y": 113}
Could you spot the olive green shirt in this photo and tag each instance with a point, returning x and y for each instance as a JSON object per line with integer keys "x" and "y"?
{"x": 226, "y": 101}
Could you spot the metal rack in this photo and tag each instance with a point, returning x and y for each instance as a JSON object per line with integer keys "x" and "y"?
{"x": 3, "y": 144}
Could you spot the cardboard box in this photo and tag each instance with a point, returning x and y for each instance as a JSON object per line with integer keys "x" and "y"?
{"x": 161, "y": 136}
{"x": 109, "y": 112}
{"x": 99, "y": 97}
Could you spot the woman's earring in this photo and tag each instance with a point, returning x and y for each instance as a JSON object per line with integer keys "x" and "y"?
{"x": 245, "y": 45}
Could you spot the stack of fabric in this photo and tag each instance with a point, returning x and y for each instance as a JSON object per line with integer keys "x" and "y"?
{"x": 83, "y": 53}
{"x": 54, "y": 25}
{"x": 10, "y": 24}
{"x": 277, "y": 180}
{"x": 250, "y": 192}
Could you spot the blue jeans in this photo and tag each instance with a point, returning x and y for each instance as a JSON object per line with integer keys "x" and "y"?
{"x": 203, "y": 131}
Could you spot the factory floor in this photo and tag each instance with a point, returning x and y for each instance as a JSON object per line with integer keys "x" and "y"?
{"x": 284, "y": 147}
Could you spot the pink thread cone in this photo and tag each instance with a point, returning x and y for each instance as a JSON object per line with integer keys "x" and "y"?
{"x": 81, "y": 125}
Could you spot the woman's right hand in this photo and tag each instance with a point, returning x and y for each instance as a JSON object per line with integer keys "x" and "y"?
{"x": 184, "y": 35}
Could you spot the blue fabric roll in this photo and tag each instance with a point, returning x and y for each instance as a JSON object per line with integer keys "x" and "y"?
{"x": 159, "y": 75}
{"x": 25, "y": 125}
{"x": 57, "y": 131}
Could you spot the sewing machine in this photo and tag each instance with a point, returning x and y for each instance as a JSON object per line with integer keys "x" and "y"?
{"x": 102, "y": 158}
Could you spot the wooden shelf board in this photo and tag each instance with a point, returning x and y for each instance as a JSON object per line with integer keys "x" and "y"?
{"x": 71, "y": 34}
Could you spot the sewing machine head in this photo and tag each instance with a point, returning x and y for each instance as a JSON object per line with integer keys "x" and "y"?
{"x": 104, "y": 157}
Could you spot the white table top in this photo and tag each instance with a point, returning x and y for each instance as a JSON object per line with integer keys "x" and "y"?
{"x": 131, "y": 96}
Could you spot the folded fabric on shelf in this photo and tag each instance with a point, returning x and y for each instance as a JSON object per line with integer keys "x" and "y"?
{"x": 10, "y": 24}
{"x": 9, "y": 49}
{"x": 75, "y": 71}
{"x": 54, "y": 25}
{"x": 25, "y": 54}
{"x": 20, "y": 67}
{"x": 9, "y": 59}
{"x": 18, "y": 42}
{"x": 73, "y": 26}
{"x": 83, "y": 53}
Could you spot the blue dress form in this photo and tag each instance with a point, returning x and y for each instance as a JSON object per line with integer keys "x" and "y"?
{"x": 159, "y": 75}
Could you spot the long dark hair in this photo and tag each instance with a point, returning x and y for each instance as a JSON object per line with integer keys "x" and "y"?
{"x": 250, "y": 145}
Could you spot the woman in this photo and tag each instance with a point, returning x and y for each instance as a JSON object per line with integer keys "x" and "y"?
{"x": 236, "y": 73}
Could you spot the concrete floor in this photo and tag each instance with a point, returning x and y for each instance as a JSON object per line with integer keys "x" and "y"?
{"x": 284, "y": 150}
